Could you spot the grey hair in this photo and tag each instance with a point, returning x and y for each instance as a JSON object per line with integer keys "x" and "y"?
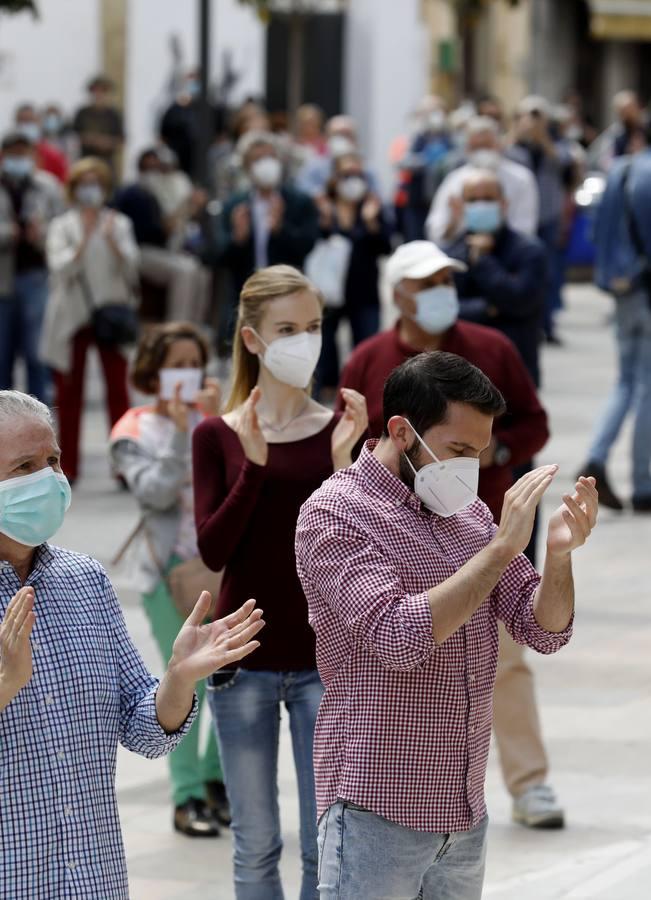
{"x": 479, "y": 124}
{"x": 16, "y": 405}
{"x": 251, "y": 139}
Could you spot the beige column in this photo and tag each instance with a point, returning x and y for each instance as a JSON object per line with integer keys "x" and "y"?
{"x": 113, "y": 31}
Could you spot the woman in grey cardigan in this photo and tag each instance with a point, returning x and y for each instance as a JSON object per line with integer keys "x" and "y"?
{"x": 150, "y": 448}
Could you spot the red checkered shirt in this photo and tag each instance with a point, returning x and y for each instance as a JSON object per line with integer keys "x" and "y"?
{"x": 404, "y": 725}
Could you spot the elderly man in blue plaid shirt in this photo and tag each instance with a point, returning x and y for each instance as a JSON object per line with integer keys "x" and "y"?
{"x": 72, "y": 684}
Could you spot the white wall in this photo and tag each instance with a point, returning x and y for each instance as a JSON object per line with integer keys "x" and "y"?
{"x": 386, "y": 73}
{"x": 50, "y": 58}
{"x": 152, "y": 23}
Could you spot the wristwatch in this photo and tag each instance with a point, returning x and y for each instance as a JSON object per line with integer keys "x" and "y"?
{"x": 502, "y": 455}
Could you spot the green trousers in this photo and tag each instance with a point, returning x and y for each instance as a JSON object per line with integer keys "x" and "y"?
{"x": 189, "y": 770}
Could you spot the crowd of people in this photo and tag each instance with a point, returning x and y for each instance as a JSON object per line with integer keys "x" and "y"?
{"x": 290, "y": 236}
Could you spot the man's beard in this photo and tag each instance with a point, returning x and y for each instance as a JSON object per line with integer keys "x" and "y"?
{"x": 404, "y": 469}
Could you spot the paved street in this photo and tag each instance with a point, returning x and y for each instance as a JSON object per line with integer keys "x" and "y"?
{"x": 594, "y": 696}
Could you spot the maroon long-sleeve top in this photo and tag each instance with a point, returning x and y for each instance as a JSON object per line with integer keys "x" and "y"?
{"x": 246, "y": 521}
{"x": 524, "y": 427}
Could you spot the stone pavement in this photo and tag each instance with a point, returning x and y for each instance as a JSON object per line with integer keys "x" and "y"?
{"x": 594, "y": 696}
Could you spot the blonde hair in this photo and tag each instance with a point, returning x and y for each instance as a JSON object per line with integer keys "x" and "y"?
{"x": 89, "y": 165}
{"x": 267, "y": 284}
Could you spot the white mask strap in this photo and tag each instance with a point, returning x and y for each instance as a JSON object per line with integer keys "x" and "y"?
{"x": 431, "y": 452}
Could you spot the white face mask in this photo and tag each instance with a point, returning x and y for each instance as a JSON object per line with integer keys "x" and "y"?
{"x": 338, "y": 145}
{"x": 445, "y": 487}
{"x": 485, "y": 159}
{"x": 352, "y": 189}
{"x": 292, "y": 359}
{"x": 437, "y": 308}
{"x": 267, "y": 172}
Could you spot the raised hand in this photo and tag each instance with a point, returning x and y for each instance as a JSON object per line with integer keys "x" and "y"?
{"x": 276, "y": 213}
{"x": 209, "y": 398}
{"x": 15, "y": 650}
{"x": 247, "y": 428}
{"x": 371, "y": 209}
{"x": 350, "y": 428}
{"x": 519, "y": 509}
{"x": 200, "y": 649}
{"x": 572, "y": 523}
{"x": 177, "y": 410}
{"x": 241, "y": 223}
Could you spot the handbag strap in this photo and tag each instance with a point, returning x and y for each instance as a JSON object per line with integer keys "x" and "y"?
{"x": 141, "y": 527}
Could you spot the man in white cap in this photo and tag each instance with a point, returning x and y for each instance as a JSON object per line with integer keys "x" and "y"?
{"x": 421, "y": 277}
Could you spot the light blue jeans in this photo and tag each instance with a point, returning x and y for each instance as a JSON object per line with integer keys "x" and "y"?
{"x": 246, "y": 710}
{"x": 632, "y": 393}
{"x": 364, "y": 855}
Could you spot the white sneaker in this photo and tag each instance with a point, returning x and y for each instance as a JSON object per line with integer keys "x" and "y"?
{"x": 538, "y": 808}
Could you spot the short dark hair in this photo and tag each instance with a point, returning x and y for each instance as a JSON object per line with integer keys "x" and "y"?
{"x": 145, "y": 154}
{"x": 16, "y": 139}
{"x": 153, "y": 348}
{"x": 100, "y": 81}
{"x": 423, "y": 386}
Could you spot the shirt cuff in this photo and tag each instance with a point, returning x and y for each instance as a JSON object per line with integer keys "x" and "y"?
{"x": 537, "y": 637}
{"x": 155, "y": 732}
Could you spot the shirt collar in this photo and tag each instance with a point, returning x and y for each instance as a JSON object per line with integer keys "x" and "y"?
{"x": 43, "y": 556}
{"x": 383, "y": 482}
{"x": 407, "y": 350}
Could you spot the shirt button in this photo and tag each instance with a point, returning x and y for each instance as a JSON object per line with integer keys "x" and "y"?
{"x": 67, "y": 809}
{"x": 472, "y": 678}
{"x": 71, "y": 864}
{"x": 61, "y": 754}
{"x": 49, "y": 700}
{"x": 36, "y": 646}
{"x": 472, "y": 730}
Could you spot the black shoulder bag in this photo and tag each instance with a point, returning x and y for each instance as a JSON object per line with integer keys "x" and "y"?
{"x": 114, "y": 324}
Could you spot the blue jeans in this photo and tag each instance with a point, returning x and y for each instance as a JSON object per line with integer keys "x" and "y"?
{"x": 246, "y": 710}
{"x": 364, "y": 855}
{"x": 21, "y": 321}
{"x": 632, "y": 393}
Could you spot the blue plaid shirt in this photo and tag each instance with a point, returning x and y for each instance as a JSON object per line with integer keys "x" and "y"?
{"x": 59, "y": 826}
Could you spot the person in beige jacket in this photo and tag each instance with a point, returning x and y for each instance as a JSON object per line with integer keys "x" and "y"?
{"x": 92, "y": 258}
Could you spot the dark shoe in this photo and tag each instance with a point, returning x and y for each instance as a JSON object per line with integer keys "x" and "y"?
{"x": 642, "y": 504}
{"x": 218, "y": 802}
{"x": 195, "y": 819}
{"x": 607, "y": 497}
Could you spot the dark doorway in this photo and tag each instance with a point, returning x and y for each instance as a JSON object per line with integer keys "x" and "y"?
{"x": 322, "y": 61}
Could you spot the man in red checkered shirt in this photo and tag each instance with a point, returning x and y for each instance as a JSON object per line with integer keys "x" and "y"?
{"x": 406, "y": 576}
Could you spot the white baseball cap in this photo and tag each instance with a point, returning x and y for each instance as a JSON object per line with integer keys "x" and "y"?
{"x": 419, "y": 259}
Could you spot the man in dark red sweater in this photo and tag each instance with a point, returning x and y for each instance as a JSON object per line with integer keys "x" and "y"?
{"x": 421, "y": 277}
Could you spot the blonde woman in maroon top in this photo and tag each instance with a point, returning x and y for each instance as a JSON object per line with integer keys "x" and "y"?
{"x": 253, "y": 469}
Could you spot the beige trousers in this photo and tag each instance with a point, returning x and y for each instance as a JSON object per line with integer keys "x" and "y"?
{"x": 515, "y": 719}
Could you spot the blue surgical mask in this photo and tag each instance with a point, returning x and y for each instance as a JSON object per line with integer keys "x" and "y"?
{"x": 31, "y": 130}
{"x": 17, "y": 166}
{"x": 52, "y": 123}
{"x": 193, "y": 87}
{"x": 33, "y": 507}
{"x": 437, "y": 308}
{"x": 482, "y": 216}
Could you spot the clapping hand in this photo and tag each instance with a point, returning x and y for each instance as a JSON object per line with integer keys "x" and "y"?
{"x": 15, "y": 650}
{"x": 371, "y": 209}
{"x": 247, "y": 427}
{"x": 350, "y": 427}
{"x": 209, "y": 398}
{"x": 572, "y": 523}
{"x": 200, "y": 649}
